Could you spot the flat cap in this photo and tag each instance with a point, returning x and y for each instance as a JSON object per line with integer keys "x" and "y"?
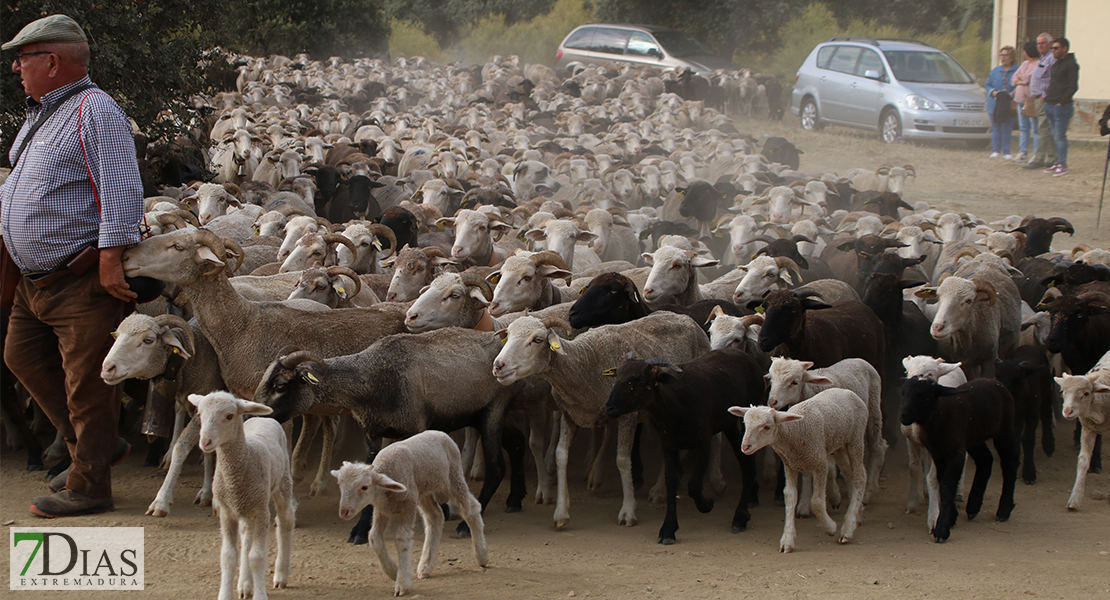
{"x": 55, "y": 29}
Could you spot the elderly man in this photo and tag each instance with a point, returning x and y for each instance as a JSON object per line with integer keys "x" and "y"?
{"x": 1038, "y": 85}
{"x": 70, "y": 207}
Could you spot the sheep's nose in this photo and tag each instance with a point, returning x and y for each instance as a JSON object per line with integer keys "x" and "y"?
{"x": 391, "y": 297}
{"x": 498, "y": 365}
{"x": 411, "y": 316}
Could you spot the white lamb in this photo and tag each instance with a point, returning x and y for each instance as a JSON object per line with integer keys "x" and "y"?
{"x": 832, "y": 422}
{"x": 252, "y": 469}
{"x": 406, "y": 476}
{"x": 1086, "y": 397}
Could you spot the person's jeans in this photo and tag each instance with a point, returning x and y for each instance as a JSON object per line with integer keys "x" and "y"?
{"x": 1002, "y": 135}
{"x": 1059, "y": 117}
{"x": 1046, "y": 142}
{"x": 1028, "y": 127}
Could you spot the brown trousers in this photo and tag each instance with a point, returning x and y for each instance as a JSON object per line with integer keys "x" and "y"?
{"x": 57, "y": 339}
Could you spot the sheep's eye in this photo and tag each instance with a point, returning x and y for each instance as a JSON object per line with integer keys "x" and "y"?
{"x": 793, "y": 383}
{"x": 527, "y": 278}
{"x": 364, "y": 244}
{"x": 537, "y": 340}
{"x": 968, "y": 301}
{"x": 320, "y": 287}
{"x": 317, "y": 253}
{"x": 365, "y": 488}
{"x": 228, "y": 417}
{"x": 455, "y": 296}
{"x": 766, "y": 427}
{"x": 178, "y": 247}
{"x": 148, "y": 340}
{"x": 419, "y": 269}
{"x": 676, "y": 266}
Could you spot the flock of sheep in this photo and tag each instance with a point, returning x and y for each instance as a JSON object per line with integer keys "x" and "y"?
{"x": 429, "y": 248}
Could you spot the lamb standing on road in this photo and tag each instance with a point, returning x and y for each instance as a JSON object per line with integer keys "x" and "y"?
{"x": 406, "y": 476}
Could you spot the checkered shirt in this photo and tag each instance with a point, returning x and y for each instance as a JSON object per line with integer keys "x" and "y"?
{"x": 47, "y": 204}
{"x": 1042, "y": 75}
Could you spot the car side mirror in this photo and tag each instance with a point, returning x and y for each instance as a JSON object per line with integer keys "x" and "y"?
{"x": 655, "y": 52}
{"x": 872, "y": 74}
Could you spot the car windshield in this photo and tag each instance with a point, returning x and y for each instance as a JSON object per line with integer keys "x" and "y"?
{"x": 915, "y": 66}
{"x": 680, "y": 45}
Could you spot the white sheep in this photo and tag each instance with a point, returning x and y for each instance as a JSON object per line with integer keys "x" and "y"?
{"x": 1086, "y": 397}
{"x": 252, "y": 469}
{"x": 832, "y": 422}
{"x": 405, "y": 477}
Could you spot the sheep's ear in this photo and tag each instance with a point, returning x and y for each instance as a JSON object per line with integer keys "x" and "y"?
{"x": 818, "y": 379}
{"x": 477, "y": 294}
{"x": 553, "y": 272}
{"x": 649, "y": 257}
{"x": 387, "y": 483}
{"x": 807, "y": 365}
{"x": 335, "y": 472}
{"x": 445, "y": 222}
{"x": 169, "y": 338}
{"x": 847, "y": 246}
{"x": 753, "y": 333}
{"x": 738, "y": 410}
{"x": 946, "y": 368}
{"x": 928, "y": 292}
{"x": 585, "y": 236}
{"x": 195, "y": 399}
{"x": 1059, "y": 381}
{"x": 246, "y": 407}
{"x": 494, "y": 277}
{"x": 699, "y": 261}
{"x": 784, "y": 417}
{"x": 535, "y": 235}
{"x": 502, "y": 334}
{"x": 1101, "y": 389}
{"x": 555, "y": 343}
{"x": 205, "y": 255}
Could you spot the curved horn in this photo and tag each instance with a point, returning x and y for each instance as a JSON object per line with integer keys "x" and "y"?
{"x": 749, "y": 320}
{"x": 337, "y": 270}
{"x": 986, "y": 287}
{"x": 1081, "y": 248}
{"x": 1099, "y": 297}
{"x": 1062, "y": 225}
{"x": 233, "y": 190}
{"x": 167, "y": 320}
{"x": 213, "y": 241}
{"x": 166, "y": 219}
{"x": 335, "y": 238}
{"x": 231, "y": 247}
{"x": 909, "y": 169}
{"x": 433, "y": 251}
{"x": 550, "y": 257}
{"x": 187, "y": 216}
{"x": 326, "y": 224}
{"x": 785, "y": 262}
{"x": 473, "y": 279}
{"x": 387, "y": 233}
{"x": 292, "y": 360}
{"x": 968, "y": 252}
{"x": 556, "y": 322}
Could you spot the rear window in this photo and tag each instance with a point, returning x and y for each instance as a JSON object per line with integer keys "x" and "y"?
{"x": 824, "y": 55}
{"x": 914, "y": 66}
{"x": 844, "y": 61}
{"x": 610, "y": 41}
{"x": 579, "y": 39}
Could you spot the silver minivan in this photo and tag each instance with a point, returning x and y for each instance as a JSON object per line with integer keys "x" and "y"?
{"x": 642, "y": 44}
{"x": 900, "y": 88}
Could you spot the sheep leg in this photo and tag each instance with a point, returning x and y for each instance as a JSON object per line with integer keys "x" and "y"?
{"x": 626, "y": 431}
{"x": 701, "y": 457}
{"x": 245, "y": 550}
{"x": 984, "y": 462}
{"x": 1048, "y": 436}
{"x": 188, "y": 439}
{"x": 260, "y": 544}
{"x": 567, "y": 429}
{"x": 309, "y": 425}
{"x": 875, "y": 457}
{"x": 1008, "y": 459}
{"x": 1086, "y": 449}
{"x": 917, "y": 472}
{"x": 204, "y": 496}
{"x": 717, "y": 481}
{"x": 658, "y": 492}
{"x": 949, "y": 470}
{"x": 805, "y": 506}
{"x": 672, "y": 468}
{"x": 1028, "y": 442}
{"x": 229, "y": 534}
{"x": 471, "y": 512}
{"x": 490, "y": 430}
{"x": 327, "y": 447}
{"x": 749, "y": 495}
{"x": 1096, "y": 456}
{"x": 790, "y": 499}
{"x": 405, "y": 534}
{"x": 179, "y": 419}
{"x": 470, "y": 444}
{"x": 433, "y": 531}
{"x": 831, "y": 486}
{"x": 56, "y": 450}
{"x": 549, "y": 460}
{"x": 377, "y": 542}
{"x": 286, "y": 507}
{"x": 854, "y": 463}
{"x": 512, "y": 440}
{"x": 818, "y": 499}
{"x": 545, "y": 481}
{"x": 597, "y": 469}
{"x": 933, "y": 487}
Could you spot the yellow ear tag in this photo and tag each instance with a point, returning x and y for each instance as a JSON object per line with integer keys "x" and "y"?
{"x": 863, "y": 255}
{"x": 176, "y": 350}
{"x": 759, "y": 310}
{"x": 608, "y": 372}
{"x": 504, "y": 339}
{"x": 583, "y": 290}
{"x": 341, "y": 290}
{"x": 114, "y": 334}
{"x": 1051, "y": 284}
{"x": 257, "y": 231}
{"x": 495, "y": 278}
{"x": 441, "y": 225}
{"x": 377, "y": 244}
{"x": 718, "y": 235}
{"x": 556, "y": 345}
{"x": 309, "y": 377}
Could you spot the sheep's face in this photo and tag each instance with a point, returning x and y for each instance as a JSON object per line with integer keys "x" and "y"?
{"x": 956, "y": 301}
{"x": 782, "y": 203}
{"x": 783, "y": 316}
{"x": 761, "y": 425}
{"x": 519, "y": 285}
{"x": 472, "y": 233}
{"x": 762, "y": 276}
{"x": 529, "y": 346}
{"x": 635, "y": 385}
{"x": 932, "y": 369}
{"x": 1069, "y": 316}
{"x": 314, "y": 284}
{"x": 919, "y": 400}
{"x": 788, "y": 378}
{"x": 271, "y": 223}
{"x": 289, "y": 391}
{"x": 310, "y": 251}
{"x": 360, "y": 485}
{"x": 175, "y": 257}
{"x": 950, "y": 228}
{"x": 411, "y": 272}
{"x": 727, "y": 331}
{"x": 140, "y": 350}
{"x": 212, "y": 201}
{"x": 221, "y": 417}
{"x": 606, "y": 302}
{"x": 561, "y": 236}
{"x": 600, "y": 223}
{"x": 367, "y": 246}
{"x": 671, "y": 272}
{"x": 445, "y": 303}
{"x": 1079, "y": 393}
{"x": 295, "y": 229}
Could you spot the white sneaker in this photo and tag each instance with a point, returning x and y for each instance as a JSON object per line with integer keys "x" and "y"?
{"x": 1021, "y": 157}
{"x": 994, "y": 155}
{"x": 1008, "y": 156}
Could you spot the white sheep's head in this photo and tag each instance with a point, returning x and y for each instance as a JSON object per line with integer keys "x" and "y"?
{"x": 788, "y": 378}
{"x": 143, "y": 345}
{"x": 413, "y": 269}
{"x": 956, "y": 299}
{"x": 1079, "y": 392}
{"x": 761, "y": 425}
{"x": 934, "y": 369}
{"x": 473, "y": 233}
{"x": 295, "y": 229}
{"x": 529, "y": 345}
{"x": 182, "y": 256}
{"x": 221, "y": 417}
{"x": 270, "y": 223}
{"x": 727, "y": 331}
{"x": 358, "y": 483}
{"x": 451, "y": 300}
{"x": 560, "y": 236}
{"x": 213, "y": 200}
{"x": 671, "y": 272}
{"x": 520, "y": 280}
{"x": 763, "y": 274}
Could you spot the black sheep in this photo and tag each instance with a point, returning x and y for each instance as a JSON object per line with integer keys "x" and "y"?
{"x": 611, "y": 298}
{"x": 1028, "y": 377}
{"x": 688, "y": 405}
{"x": 780, "y": 150}
{"x": 955, "y": 421}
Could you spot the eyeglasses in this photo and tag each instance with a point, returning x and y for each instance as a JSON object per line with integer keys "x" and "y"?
{"x": 1054, "y": 48}
{"x": 19, "y": 57}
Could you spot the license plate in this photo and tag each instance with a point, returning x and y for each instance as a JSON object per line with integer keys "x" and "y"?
{"x": 969, "y": 122}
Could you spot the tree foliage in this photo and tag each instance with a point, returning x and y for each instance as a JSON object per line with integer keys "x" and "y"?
{"x": 322, "y": 28}
{"x": 447, "y": 20}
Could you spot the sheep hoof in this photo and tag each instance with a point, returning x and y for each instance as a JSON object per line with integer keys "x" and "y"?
{"x": 786, "y": 549}
{"x": 463, "y": 530}
{"x": 666, "y": 541}
{"x": 357, "y": 540}
{"x": 738, "y": 528}
{"x": 513, "y": 509}
{"x": 1073, "y": 506}
{"x": 561, "y": 523}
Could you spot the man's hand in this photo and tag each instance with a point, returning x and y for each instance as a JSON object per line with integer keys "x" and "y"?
{"x": 111, "y": 274}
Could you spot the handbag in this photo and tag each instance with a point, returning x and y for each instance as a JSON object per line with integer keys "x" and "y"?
{"x": 1029, "y": 109}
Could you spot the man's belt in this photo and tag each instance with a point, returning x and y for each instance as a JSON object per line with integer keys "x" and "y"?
{"x": 77, "y": 266}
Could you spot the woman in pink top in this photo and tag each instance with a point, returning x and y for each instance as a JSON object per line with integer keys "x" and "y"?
{"x": 1020, "y": 81}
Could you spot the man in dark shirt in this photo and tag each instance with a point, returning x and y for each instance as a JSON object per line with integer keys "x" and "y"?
{"x": 1058, "y": 105}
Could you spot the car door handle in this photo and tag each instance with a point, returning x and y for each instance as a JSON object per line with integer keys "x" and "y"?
{"x": 854, "y": 84}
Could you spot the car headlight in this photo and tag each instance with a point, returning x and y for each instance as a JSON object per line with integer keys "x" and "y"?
{"x": 916, "y": 102}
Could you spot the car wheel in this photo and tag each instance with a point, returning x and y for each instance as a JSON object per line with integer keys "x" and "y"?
{"x": 810, "y": 120}
{"x": 890, "y": 127}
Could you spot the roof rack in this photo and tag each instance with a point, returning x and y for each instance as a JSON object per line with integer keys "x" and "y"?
{"x": 907, "y": 40}
{"x": 853, "y": 38}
